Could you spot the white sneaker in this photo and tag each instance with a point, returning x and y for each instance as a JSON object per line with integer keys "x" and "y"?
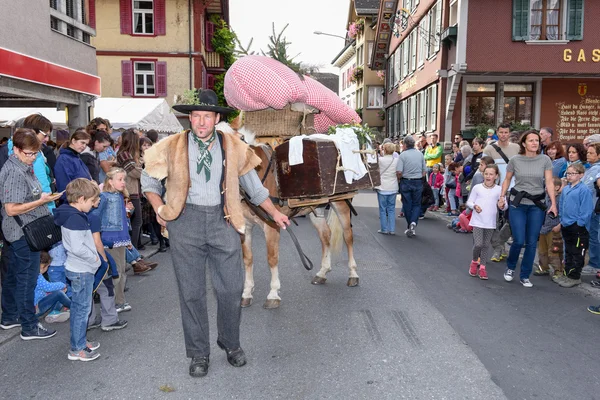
{"x": 413, "y": 225}
{"x": 525, "y": 282}
{"x": 60, "y": 316}
{"x": 508, "y": 275}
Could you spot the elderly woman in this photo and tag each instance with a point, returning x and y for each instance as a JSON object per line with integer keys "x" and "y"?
{"x": 387, "y": 191}
{"x": 21, "y": 195}
{"x": 533, "y": 177}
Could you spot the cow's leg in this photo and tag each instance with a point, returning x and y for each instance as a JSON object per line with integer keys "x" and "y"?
{"x": 272, "y": 239}
{"x": 343, "y": 213}
{"x": 322, "y": 227}
{"x": 249, "y": 266}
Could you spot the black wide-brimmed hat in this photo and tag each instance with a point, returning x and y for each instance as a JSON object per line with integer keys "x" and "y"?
{"x": 205, "y": 100}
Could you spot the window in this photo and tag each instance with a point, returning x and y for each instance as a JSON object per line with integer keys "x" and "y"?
{"x": 375, "y": 99}
{"x": 422, "y": 111}
{"x": 398, "y": 119}
{"x": 144, "y": 78}
{"x": 402, "y": 117}
{"x": 413, "y": 50}
{"x": 422, "y": 40}
{"x": 390, "y": 74}
{"x": 481, "y": 104}
{"x": 143, "y": 17}
{"x": 435, "y": 28}
{"x": 518, "y": 101}
{"x": 370, "y": 50}
{"x": 390, "y": 121}
{"x": 397, "y": 65}
{"x": 404, "y": 59}
{"x": 53, "y": 4}
{"x": 359, "y": 98}
{"x": 431, "y": 118}
{"x": 546, "y": 20}
{"x": 359, "y": 55}
{"x": 413, "y": 114}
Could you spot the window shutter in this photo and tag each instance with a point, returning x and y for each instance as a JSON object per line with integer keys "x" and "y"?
{"x": 160, "y": 17}
{"x": 210, "y": 81}
{"x": 575, "y": 20}
{"x": 161, "y": 79}
{"x": 413, "y": 61}
{"x": 433, "y": 107}
{"x": 126, "y": 17}
{"x": 127, "y": 77}
{"x": 438, "y": 25}
{"x": 520, "y": 31}
{"x": 92, "y": 14}
{"x": 209, "y": 33}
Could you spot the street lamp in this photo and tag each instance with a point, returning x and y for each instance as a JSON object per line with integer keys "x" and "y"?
{"x": 328, "y": 34}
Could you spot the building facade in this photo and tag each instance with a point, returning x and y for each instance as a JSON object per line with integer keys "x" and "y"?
{"x": 46, "y": 59}
{"x": 156, "y": 48}
{"x": 346, "y": 62}
{"x": 447, "y": 71}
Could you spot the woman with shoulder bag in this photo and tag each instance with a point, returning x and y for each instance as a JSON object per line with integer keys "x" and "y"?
{"x": 22, "y": 203}
{"x": 128, "y": 158}
{"x": 387, "y": 191}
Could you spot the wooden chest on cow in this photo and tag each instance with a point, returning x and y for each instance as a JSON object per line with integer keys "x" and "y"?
{"x": 316, "y": 177}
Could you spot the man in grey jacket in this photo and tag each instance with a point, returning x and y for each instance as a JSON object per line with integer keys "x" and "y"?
{"x": 411, "y": 171}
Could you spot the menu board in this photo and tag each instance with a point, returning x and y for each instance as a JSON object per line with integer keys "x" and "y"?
{"x": 576, "y": 121}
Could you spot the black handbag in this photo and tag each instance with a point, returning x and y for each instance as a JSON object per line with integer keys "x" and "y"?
{"x": 40, "y": 234}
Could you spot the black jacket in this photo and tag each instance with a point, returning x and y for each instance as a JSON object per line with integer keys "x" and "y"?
{"x": 92, "y": 163}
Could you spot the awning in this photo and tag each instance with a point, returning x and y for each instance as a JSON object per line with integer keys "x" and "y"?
{"x": 9, "y": 116}
{"x": 142, "y": 114}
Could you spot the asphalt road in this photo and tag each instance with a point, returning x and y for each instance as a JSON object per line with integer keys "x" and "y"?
{"x": 417, "y": 327}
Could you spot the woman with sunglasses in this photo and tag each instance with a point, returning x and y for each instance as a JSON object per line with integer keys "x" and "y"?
{"x": 21, "y": 195}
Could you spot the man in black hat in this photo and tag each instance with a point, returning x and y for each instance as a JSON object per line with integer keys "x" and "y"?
{"x": 203, "y": 169}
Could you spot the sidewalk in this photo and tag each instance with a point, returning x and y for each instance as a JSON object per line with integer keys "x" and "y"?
{"x": 149, "y": 251}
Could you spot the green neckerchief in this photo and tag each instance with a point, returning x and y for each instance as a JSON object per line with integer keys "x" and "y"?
{"x": 204, "y": 158}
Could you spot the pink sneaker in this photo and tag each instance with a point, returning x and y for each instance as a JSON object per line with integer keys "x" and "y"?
{"x": 473, "y": 268}
{"x": 482, "y": 272}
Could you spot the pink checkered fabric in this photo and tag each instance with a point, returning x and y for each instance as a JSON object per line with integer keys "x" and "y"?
{"x": 333, "y": 110}
{"x": 254, "y": 83}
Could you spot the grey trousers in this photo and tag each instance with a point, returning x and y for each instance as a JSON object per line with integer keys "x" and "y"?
{"x": 108, "y": 311}
{"x": 200, "y": 237}
{"x": 118, "y": 253}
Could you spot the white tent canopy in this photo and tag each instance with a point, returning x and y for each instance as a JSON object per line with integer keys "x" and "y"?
{"x": 9, "y": 116}
{"x": 142, "y": 114}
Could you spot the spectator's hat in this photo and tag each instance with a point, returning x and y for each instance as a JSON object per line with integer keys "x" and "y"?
{"x": 491, "y": 131}
{"x": 595, "y": 138}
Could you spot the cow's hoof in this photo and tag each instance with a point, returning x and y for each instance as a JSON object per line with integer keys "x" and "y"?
{"x": 352, "y": 282}
{"x": 246, "y": 302}
{"x": 317, "y": 280}
{"x": 272, "y": 303}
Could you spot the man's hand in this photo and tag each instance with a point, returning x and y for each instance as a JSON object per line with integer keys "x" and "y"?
{"x": 280, "y": 219}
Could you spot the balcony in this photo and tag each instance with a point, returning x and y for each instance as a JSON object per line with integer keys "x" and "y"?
{"x": 449, "y": 34}
{"x": 213, "y": 60}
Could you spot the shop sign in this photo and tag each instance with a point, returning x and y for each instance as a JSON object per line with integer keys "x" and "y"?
{"x": 407, "y": 85}
{"x": 582, "y": 55}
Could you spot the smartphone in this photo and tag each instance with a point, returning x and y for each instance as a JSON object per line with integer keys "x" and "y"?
{"x": 552, "y": 215}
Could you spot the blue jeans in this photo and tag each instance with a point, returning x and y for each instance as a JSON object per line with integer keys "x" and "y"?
{"x": 131, "y": 255}
{"x": 436, "y": 197}
{"x": 19, "y": 286}
{"x": 53, "y": 301}
{"x": 412, "y": 193}
{"x": 56, "y": 273}
{"x": 387, "y": 209}
{"x": 594, "y": 251}
{"x": 525, "y": 222}
{"x": 452, "y": 199}
{"x": 81, "y": 306}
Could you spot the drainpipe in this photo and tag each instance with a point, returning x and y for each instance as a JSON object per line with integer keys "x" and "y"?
{"x": 190, "y": 40}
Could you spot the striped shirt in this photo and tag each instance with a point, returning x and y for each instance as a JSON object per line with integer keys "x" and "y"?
{"x": 204, "y": 193}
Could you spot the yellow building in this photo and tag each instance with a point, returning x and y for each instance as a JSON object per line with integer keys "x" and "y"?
{"x": 155, "y": 48}
{"x": 369, "y": 88}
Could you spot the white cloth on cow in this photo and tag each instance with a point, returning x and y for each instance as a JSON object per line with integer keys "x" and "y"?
{"x": 346, "y": 141}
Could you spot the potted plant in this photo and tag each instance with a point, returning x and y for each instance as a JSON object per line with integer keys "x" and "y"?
{"x": 356, "y": 28}
{"x": 357, "y": 74}
{"x": 381, "y": 114}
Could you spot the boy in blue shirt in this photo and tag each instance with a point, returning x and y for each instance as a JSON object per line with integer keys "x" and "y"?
{"x": 82, "y": 261}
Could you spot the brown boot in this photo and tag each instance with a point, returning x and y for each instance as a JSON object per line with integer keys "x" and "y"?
{"x": 148, "y": 264}
{"x": 139, "y": 268}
